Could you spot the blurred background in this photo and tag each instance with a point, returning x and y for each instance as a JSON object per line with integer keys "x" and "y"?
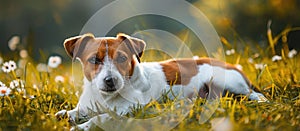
{"x": 42, "y": 25}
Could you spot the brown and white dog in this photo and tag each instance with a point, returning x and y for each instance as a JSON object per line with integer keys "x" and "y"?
{"x": 115, "y": 79}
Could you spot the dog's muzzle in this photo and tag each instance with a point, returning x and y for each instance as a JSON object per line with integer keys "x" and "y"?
{"x": 110, "y": 83}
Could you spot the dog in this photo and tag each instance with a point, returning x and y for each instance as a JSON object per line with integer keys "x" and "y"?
{"x": 116, "y": 79}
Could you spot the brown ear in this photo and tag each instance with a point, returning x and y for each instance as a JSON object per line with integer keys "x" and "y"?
{"x": 136, "y": 46}
{"x": 75, "y": 45}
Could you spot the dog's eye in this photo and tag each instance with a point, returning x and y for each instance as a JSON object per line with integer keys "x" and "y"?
{"x": 121, "y": 59}
{"x": 94, "y": 60}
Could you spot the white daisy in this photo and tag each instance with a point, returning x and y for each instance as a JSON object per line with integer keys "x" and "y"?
{"x": 238, "y": 66}
{"x": 250, "y": 60}
{"x": 256, "y": 55}
{"x": 41, "y": 67}
{"x": 4, "y": 91}
{"x": 16, "y": 84}
{"x": 23, "y": 53}
{"x": 276, "y": 58}
{"x": 230, "y": 52}
{"x": 59, "y": 79}
{"x": 2, "y": 84}
{"x": 9, "y": 66}
{"x": 54, "y": 61}
{"x": 292, "y": 53}
{"x": 227, "y": 52}
{"x": 13, "y": 65}
{"x": 260, "y": 66}
{"x": 34, "y": 86}
{"x": 5, "y": 67}
{"x": 13, "y": 42}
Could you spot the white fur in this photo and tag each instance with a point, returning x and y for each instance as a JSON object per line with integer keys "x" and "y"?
{"x": 148, "y": 82}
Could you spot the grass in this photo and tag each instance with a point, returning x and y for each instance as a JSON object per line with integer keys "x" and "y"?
{"x": 279, "y": 81}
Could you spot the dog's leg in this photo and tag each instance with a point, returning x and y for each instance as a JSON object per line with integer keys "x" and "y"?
{"x": 95, "y": 123}
{"x": 257, "y": 96}
{"x": 75, "y": 116}
{"x": 234, "y": 83}
{"x": 240, "y": 87}
{"x": 84, "y": 126}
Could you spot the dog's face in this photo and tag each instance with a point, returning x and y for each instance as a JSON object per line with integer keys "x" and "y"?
{"x": 108, "y": 62}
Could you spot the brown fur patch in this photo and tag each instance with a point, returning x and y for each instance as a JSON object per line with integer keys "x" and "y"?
{"x": 97, "y": 48}
{"x": 181, "y": 71}
{"x": 120, "y": 51}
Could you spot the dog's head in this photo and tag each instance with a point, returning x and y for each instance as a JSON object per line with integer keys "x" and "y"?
{"x": 107, "y": 61}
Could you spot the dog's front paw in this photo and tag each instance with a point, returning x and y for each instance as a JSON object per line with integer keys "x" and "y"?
{"x": 64, "y": 114}
{"x": 82, "y": 127}
{"x": 78, "y": 128}
{"x": 61, "y": 114}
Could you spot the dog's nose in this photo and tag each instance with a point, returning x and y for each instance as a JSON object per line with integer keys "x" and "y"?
{"x": 110, "y": 81}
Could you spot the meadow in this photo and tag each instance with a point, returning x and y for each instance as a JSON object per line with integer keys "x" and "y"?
{"x": 32, "y": 92}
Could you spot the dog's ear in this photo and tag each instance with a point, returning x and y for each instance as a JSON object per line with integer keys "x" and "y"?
{"x": 75, "y": 45}
{"x": 135, "y": 45}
